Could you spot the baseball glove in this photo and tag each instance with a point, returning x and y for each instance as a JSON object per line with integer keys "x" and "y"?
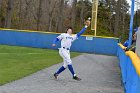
{"x": 87, "y": 23}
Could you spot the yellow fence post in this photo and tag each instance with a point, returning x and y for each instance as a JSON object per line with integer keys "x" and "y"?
{"x": 94, "y": 16}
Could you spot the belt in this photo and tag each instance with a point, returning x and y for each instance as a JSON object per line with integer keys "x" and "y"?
{"x": 66, "y": 48}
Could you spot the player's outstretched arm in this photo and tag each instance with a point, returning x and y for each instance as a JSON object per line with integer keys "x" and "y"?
{"x": 82, "y": 31}
{"x": 87, "y": 23}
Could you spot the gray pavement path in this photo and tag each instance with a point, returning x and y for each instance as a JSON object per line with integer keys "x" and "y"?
{"x": 99, "y": 73}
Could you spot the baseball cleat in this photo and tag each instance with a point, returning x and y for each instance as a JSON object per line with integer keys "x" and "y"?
{"x": 77, "y": 78}
{"x": 55, "y": 76}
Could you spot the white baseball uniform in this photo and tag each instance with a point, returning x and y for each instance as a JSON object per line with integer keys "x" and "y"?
{"x": 66, "y": 42}
{"x": 64, "y": 51}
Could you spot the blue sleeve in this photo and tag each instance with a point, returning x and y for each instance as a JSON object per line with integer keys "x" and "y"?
{"x": 81, "y": 32}
{"x": 55, "y": 40}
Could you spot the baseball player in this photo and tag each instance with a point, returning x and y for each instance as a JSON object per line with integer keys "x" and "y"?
{"x": 66, "y": 42}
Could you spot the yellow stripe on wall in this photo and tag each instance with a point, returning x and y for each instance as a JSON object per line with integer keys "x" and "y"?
{"x": 135, "y": 60}
{"x": 30, "y": 31}
{"x": 123, "y": 47}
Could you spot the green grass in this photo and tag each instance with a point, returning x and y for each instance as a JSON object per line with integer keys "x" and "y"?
{"x": 17, "y": 62}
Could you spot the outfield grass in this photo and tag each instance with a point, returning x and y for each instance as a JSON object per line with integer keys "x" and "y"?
{"x": 17, "y": 62}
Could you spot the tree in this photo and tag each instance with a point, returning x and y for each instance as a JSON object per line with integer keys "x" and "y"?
{"x": 51, "y": 11}
{"x": 39, "y": 13}
{"x": 56, "y": 15}
{"x": 61, "y": 16}
{"x": 2, "y": 13}
{"x": 9, "y": 14}
{"x": 74, "y": 11}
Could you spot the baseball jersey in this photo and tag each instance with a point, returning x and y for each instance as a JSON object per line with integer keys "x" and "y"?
{"x": 66, "y": 39}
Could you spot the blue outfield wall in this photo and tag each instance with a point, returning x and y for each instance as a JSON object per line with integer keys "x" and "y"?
{"x": 130, "y": 77}
{"x": 44, "y": 40}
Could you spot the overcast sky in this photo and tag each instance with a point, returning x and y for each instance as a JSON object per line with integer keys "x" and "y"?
{"x": 136, "y": 4}
{"x": 128, "y": 1}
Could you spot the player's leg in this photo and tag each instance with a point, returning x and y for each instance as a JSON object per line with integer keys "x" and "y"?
{"x": 70, "y": 67}
{"x": 62, "y": 68}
